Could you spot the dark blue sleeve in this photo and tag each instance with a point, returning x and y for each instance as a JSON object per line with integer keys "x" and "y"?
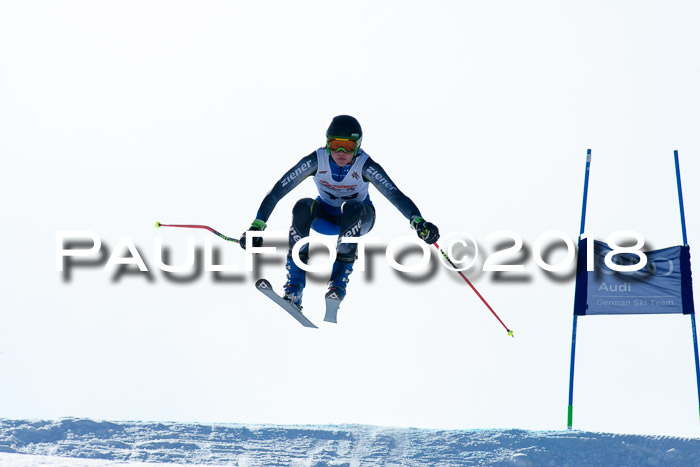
{"x": 303, "y": 169}
{"x": 375, "y": 174}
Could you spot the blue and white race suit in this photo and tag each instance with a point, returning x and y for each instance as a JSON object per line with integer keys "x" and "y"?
{"x": 343, "y": 206}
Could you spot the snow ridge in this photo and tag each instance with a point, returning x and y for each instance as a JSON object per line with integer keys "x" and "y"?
{"x": 343, "y": 445}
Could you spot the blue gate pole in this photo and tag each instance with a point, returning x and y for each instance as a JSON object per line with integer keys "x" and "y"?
{"x": 570, "y": 414}
{"x": 685, "y": 242}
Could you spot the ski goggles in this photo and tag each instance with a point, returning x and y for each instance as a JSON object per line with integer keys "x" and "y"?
{"x": 342, "y": 144}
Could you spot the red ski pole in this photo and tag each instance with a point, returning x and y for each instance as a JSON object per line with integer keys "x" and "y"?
{"x": 510, "y": 333}
{"x": 205, "y": 227}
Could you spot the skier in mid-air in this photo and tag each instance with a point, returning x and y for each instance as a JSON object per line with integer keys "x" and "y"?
{"x": 342, "y": 171}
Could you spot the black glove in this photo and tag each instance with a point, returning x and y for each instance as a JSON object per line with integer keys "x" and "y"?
{"x": 427, "y": 231}
{"x": 257, "y": 225}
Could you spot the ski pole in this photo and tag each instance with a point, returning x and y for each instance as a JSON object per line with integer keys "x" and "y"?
{"x": 205, "y": 227}
{"x": 510, "y": 333}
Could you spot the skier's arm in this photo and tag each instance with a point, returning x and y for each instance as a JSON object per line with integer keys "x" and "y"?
{"x": 375, "y": 174}
{"x": 303, "y": 169}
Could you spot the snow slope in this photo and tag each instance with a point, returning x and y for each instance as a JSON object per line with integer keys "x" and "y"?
{"x": 82, "y": 442}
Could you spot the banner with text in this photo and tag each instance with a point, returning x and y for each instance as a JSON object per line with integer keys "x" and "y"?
{"x": 662, "y": 286}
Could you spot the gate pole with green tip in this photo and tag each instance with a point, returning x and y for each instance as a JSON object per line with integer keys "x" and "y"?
{"x": 570, "y": 412}
{"x": 685, "y": 242}
{"x": 192, "y": 226}
{"x": 510, "y": 333}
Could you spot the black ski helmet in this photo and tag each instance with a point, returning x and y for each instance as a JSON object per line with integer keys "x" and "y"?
{"x": 345, "y": 126}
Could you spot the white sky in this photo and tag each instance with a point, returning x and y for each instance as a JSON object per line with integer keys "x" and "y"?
{"x": 116, "y": 114}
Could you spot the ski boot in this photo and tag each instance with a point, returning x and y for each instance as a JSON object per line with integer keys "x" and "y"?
{"x": 296, "y": 281}
{"x": 339, "y": 279}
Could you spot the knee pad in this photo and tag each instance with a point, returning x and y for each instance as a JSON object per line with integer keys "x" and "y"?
{"x": 303, "y": 207}
{"x": 353, "y": 208}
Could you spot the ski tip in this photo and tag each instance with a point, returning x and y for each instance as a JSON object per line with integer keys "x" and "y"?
{"x": 157, "y": 224}
{"x": 263, "y": 284}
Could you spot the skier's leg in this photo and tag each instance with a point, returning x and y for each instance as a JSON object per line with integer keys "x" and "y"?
{"x": 302, "y": 217}
{"x": 356, "y": 219}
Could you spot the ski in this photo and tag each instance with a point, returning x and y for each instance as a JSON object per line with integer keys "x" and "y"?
{"x": 332, "y": 304}
{"x": 263, "y": 285}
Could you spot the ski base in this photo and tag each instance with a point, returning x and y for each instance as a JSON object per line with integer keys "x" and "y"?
{"x": 263, "y": 285}
{"x": 332, "y": 304}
